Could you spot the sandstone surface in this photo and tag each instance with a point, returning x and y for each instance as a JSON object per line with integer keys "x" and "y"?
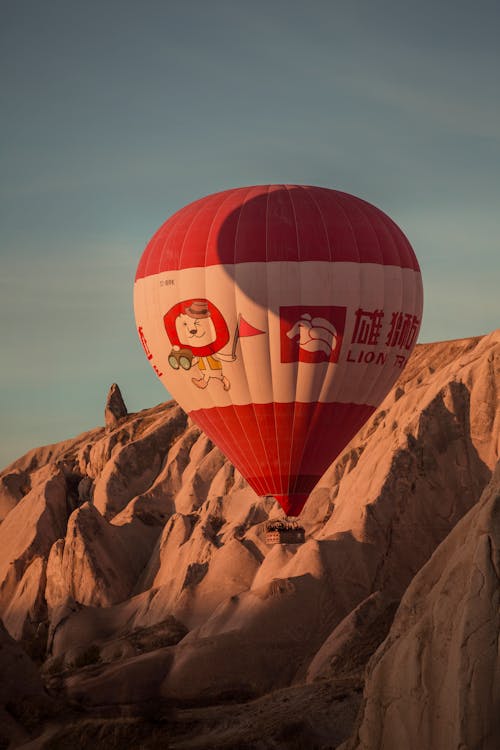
{"x": 137, "y": 549}
{"x": 23, "y": 698}
{"x": 435, "y": 681}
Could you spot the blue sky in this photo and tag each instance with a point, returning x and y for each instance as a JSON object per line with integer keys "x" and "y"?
{"x": 116, "y": 114}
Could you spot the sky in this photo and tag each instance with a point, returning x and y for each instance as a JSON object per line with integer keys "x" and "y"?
{"x": 115, "y": 114}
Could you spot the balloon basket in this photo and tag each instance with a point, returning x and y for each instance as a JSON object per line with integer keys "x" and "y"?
{"x": 284, "y": 532}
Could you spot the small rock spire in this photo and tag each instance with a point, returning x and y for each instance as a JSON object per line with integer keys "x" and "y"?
{"x": 115, "y": 407}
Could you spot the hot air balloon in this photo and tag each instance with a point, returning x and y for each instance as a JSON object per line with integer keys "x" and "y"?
{"x": 279, "y": 317}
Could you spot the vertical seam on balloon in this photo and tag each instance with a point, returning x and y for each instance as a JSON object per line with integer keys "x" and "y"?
{"x": 400, "y": 241}
{"x": 219, "y": 411}
{"x": 339, "y": 194}
{"x": 295, "y": 404}
{"x": 159, "y": 311}
{"x": 209, "y": 404}
{"x": 416, "y": 286}
{"x": 362, "y": 271}
{"x": 329, "y": 375}
{"x": 156, "y": 305}
{"x": 401, "y": 305}
{"x": 188, "y": 229}
{"x": 175, "y": 221}
{"x": 229, "y": 194}
{"x": 420, "y": 298}
{"x": 228, "y": 197}
{"x": 242, "y": 359}
{"x": 396, "y": 236}
{"x": 156, "y": 240}
{"x": 310, "y": 192}
{"x": 156, "y": 302}
{"x": 336, "y": 201}
{"x": 273, "y": 402}
{"x": 257, "y": 463}
{"x": 209, "y": 394}
{"x": 376, "y": 381}
{"x": 410, "y": 259}
{"x": 153, "y": 241}
{"x": 315, "y": 416}
{"x": 413, "y": 300}
{"x": 328, "y": 381}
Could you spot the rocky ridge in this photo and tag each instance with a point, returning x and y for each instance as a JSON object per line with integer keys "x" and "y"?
{"x": 435, "y": 680}
{"x": 134, "y": 567}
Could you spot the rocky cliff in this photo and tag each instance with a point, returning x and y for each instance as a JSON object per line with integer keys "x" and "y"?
{"x": 134, "y": 570}
{"x": 435, "y": 681}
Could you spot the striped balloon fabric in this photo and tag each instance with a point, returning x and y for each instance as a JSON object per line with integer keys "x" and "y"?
{"x": 279, "y": 317}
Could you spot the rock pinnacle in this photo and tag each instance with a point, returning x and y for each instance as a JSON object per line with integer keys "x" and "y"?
{"x": 115, "y": 407}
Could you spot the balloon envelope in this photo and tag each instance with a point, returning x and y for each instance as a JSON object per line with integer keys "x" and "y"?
{"x": 279, "y": 317}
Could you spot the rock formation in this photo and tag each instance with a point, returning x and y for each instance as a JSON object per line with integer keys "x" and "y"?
{"x": 134, "y": 565}
{"x": 435, "y": 681}
{"x": 115, "y": 408}
{"x": 23, "y": 699}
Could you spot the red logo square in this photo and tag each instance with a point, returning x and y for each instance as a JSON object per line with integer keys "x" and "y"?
{"x": 311, "y": 333}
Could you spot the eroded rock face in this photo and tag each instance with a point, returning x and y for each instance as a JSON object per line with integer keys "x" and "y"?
{"x": 110, "y": 534}
{"x": 435, "y": 681}
{"x": 98, "y": 562}
{"x": 353, "y": 641}
{"x": 22, "y": 695}
{"x": 13, "y": 486}
{"x": 135, "y": 464}
{"x": 26, "y": 536}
